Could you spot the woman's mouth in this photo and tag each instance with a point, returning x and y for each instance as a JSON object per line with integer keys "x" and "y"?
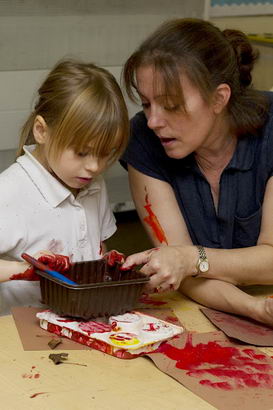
{"x": 166, "y": 141}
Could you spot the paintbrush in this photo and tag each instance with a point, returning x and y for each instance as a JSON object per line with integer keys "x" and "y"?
{"x": 41, "y": 266}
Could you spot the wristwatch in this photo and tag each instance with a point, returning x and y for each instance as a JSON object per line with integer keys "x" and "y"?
{"x": 202, "y": 263}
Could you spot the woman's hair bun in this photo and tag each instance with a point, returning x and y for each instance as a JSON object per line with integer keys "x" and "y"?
{"x": 246, "y": 55}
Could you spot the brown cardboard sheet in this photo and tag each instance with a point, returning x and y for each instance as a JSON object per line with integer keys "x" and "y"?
{"x": 225, "y": 374}
{"x": 237, "y": 327}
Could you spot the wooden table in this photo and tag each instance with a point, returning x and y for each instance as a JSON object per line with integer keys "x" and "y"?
{"x": 106, "y": 382}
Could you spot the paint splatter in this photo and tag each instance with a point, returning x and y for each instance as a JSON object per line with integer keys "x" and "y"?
{"x": 152, "y": 220}
{"x": 148, "y": 301}
{"x": 37, "y": 394}
{"x": 95, "y": 327}
{"x": 34, "y": 374}
{"x": 236, "y": 368}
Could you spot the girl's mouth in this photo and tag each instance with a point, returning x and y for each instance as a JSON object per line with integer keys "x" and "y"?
{"x": 84, "y": 180}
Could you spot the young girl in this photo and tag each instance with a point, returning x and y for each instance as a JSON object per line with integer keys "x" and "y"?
{"x": 54, "y": 197}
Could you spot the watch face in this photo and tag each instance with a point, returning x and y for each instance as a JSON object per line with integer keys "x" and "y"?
{"x": 204, "y": 266}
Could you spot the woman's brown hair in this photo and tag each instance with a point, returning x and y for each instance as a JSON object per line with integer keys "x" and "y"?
{"x": 80, "y": 102}
{"x": 209, "y": 57}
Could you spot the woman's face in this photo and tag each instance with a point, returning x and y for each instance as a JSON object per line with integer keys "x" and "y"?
{"x": 180, "y": 132}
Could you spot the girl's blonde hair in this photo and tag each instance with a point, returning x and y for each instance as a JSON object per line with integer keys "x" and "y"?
{"x": 80, "y": 103}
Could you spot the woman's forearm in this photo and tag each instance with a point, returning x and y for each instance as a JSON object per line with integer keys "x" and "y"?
{"x": 244, "y": 266}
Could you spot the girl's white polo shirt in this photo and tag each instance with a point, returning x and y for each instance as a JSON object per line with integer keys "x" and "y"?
{"x": 38, "y": 213}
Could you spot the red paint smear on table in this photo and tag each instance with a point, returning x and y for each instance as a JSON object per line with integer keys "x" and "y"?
{"x": 152, "y": 220}
{"x": 37, "y": 394}
{"x": 148, "y": 301}
{"x": 31, "y": 375}
{"x": 171, "y": 319}
{"x": 236, "y": 368}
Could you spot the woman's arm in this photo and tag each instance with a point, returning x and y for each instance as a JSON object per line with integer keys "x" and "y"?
{"x": 244, "y": 266}
{"x": 158, "y": 210}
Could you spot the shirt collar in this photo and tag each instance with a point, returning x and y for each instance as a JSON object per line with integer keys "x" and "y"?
{"x": 50, "y": 188}
{"x": 242, "y": 159}
{"x": 243, "y": 156}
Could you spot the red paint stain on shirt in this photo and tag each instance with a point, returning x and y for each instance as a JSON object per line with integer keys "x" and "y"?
{"x": 235, "y": 368}
{"x": 152, "y": 220}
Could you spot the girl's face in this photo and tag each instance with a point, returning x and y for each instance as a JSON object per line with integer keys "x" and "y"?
{"x": 180, "y": 132}
{"x": 74, "y": 169}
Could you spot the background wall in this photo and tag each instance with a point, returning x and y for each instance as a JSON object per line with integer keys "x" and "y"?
{"x": 36, "y": 33}
{"x": 263, "y": 26}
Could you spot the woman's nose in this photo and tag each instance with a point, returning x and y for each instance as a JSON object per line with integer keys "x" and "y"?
{"x": 155, "y": 119}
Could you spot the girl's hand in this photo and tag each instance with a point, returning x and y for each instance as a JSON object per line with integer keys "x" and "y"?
{"x": 56, "y": 262}
{"x": 167, "y": 266}
{"x": 114, "y": 257}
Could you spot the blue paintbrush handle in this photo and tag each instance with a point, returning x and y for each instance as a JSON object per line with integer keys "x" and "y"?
{"x": 58, "y": 275}
{"x": 44, "y": 268}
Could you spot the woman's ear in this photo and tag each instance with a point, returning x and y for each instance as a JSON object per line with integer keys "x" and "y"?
{"x": 221, "y": 97}
{"x": 40, "y": 130}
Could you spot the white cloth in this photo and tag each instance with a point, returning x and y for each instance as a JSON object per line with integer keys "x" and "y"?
{"x": 38, "y": 213}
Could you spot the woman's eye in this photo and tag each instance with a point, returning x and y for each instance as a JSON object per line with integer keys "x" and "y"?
{"x": 172, "y": 107}
{"x": 145, "y": 106}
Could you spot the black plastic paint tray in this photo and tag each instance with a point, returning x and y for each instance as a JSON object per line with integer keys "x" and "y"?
{"x": 101, "y": 290}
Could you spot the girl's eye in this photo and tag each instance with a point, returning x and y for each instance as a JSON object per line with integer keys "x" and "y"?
{"x": 82, "y": 154}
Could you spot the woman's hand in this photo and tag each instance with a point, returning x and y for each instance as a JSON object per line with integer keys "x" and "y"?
{"x": 167, "y": 266}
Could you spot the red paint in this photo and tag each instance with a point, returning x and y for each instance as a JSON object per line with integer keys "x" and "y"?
{"x": 60, "y": 263}
{"x": 122, "y": 337}
{"x": 92, "y": 343}
{"x": 236, "y": 368}
{"x": 145, "y": 299}
{"x": 29, "y": 274}
{"x": 31, "y": 375}
{"x": 171, "y": 319}
{"x": 122, "y": 268}
{"x": 114, "y": 257}
{"x": 152, "y": 327}
{"x": 258, "y": 329}
{"x": 152, "y": 220}
{"x": 95, "y": 327}
{"x": 37, "y": 394}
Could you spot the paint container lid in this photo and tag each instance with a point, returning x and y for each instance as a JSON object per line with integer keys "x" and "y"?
{"x": 128, "y": 322}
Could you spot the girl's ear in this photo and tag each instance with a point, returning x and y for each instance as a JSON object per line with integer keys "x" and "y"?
{"x": 221, "y": 97}
{"x": 40, "y": 130}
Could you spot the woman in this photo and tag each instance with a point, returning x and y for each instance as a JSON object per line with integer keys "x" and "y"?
{"x": 200, "y": 163}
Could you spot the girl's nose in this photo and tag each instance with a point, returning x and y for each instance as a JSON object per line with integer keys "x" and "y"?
{"x": 92, "y": 164}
